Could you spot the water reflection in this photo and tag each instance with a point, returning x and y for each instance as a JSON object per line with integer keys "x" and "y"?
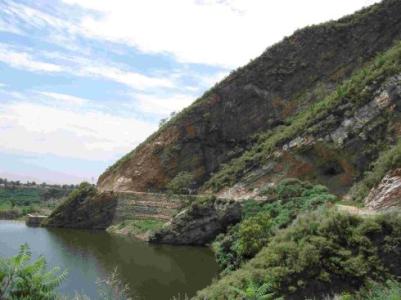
{"x": 153, "y": 272}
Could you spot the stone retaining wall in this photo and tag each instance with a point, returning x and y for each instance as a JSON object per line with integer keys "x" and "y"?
{"x": 140, "y": 205}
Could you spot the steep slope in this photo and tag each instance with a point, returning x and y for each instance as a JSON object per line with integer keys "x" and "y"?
{"x": 267, "y": 93}
{"x": 332, "y": 142}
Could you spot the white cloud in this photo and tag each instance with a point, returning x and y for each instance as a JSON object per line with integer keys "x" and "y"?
{"x": 132, "y": 79}
{"x": 160, "y": 105}
{"x": 35, "y": 18}
{"x": 25, "y": 61}
{"x": 226, "y": 33}
{"x": 81, "y": 66}
{"x": 8, "y": 27}
{"x": 66, "y": 99}
{"x": 91, "y": 135}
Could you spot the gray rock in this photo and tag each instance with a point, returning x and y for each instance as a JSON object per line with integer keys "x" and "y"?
{"x": 200, "y": 223}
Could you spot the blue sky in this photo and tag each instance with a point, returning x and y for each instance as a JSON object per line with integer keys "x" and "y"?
{"x": 82, "y": 82}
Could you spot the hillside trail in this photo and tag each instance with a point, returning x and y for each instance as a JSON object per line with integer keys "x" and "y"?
{"x": 356, "y": 210}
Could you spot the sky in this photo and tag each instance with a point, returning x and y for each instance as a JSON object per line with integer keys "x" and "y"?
{"x": 82, "y": 82}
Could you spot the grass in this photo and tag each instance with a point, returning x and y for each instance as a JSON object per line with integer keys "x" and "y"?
{"x": 136, "y": 227}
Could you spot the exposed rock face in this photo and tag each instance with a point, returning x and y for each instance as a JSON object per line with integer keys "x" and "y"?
{"x": 387, "y": 194}
{"x": 282, "y": 81}
{"x": 337, "y": 148}
{"x": 84, "y": 208}
{"x": 137, "y": 205}
{"x": 199, "y": 224}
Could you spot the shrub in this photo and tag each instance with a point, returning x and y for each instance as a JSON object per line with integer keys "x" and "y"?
{"x": 391, "y": 290}
{"x": 261, "y": 221}
{"x": 181, "y": 183}
{"x": 323, "y": 252}
{"x": 20, "y": 279}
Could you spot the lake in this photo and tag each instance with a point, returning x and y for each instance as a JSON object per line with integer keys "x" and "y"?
{"x": 152, "y": 271}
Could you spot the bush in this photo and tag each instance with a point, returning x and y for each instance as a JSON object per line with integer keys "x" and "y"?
{"x": 261, "y": 221}
{"x": 323, "y": 252}
{"x": 391, "y": 290}
{"x": 20, "y": 279}
{"x": 181, "y": 183}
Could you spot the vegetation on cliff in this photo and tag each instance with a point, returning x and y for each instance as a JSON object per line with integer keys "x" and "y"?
{"x": 388, "y": 159}
{"x": 321, "y": 253}
{"x": 260, "y": 221}
{"x": 353, "y": 90}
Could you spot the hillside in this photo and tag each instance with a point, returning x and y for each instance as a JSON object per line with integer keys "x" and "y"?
{"x": 257, "y": 101}
{"x": 295, "y": 163}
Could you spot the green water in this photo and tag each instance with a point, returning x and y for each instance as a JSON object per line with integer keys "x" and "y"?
{"x": 152, "y": 271}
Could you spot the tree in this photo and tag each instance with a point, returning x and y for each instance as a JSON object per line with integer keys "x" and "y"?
{"x": 181, "y": 183}
{"x": 163, "y": 121}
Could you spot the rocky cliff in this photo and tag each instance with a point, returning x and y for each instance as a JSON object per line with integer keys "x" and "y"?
{"x": 199, "y": 223}
{"x": 264, "y": 97}
{"x": 387, "y": 194}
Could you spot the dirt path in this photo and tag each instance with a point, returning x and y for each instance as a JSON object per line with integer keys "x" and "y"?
{"x": 355, "y": 210}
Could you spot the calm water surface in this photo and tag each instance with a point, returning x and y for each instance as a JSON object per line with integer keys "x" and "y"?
{"x": 152, "y": 272}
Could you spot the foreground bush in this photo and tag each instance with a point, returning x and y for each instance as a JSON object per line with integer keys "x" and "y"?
{"x": 324, "y": 252}
{"x": 21, "y": 279}
{"x": 391, "y": 290}
{"x": 260, "y": 221}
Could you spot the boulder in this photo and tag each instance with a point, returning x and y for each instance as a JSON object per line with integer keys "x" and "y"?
{"x": 200, "y": 223}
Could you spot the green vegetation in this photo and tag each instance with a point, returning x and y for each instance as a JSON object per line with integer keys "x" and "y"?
{"x": 20, "y": 279}
{"x": 181, "y": 183}
{"x": 391, "y": 290}
{"x": 20, "y": 196}
{"x": 388, "y": 159}
{"x": 136, "y": 227}
{"x": 18, "y": 199}
{"x": 85, "y": 190}
{"x": 321, "y": 253}
{"x": 261, "y": 221}
{"x": 351, "y": 91}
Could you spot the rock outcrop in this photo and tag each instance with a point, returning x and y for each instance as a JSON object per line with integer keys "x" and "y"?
{"x": 84, "y": 208}
{"x": 200, "y": 223}
{"x": 337, "y": 147}
{"x": 387, "y": 194}
{"x": 284, "y": 80}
